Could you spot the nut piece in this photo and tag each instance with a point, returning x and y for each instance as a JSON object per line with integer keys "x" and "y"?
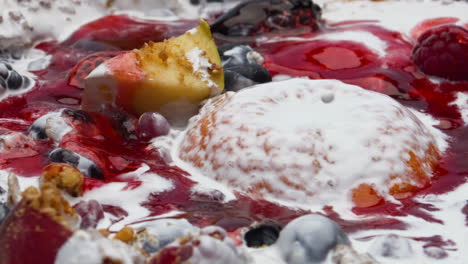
{"x": 104, "y": 232}
{"x": 65, "y": 177}
{"x": 125, "y": 235}
{"x": 50, "y": 202}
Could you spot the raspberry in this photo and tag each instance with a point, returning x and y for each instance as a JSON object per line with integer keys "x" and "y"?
{"x": 443, "y": 52}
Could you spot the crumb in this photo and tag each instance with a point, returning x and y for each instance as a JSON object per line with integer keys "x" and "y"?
{"x": 49, "y": 201}
{"x": 64, "y": 177}
{"x": 126, "y": 234}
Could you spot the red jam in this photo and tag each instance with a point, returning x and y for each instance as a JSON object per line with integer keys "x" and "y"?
{"x": 393, "y": 74}
{"x": 59, "y": 86}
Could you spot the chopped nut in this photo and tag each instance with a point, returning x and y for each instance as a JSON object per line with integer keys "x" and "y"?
{"x": 163, "y": 55}
{"x": 215, "y": 68}
{"x": 126, "y": 234}
{"x": 50, "y": 201}
{"x": 104, "y": 232}
{"x": 65, "y": 177}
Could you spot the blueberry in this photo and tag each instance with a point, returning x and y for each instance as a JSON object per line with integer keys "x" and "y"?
{"x": 253, "y": 17}
{"x": 38, "y": 131}
{"x": 2, "y": 83}
{"x": 3, "y": 70}
{"x": 8, "y": 66}
{"x": 253, "y": 72}
{"x": 241, "y": 30}
{"x": 309, "y": 238}
{"x": 233, "y": 81}
{"x": 4, "y": 211}
{"x": 78, "y": 115}
{"x": 26, "y": 82}
{"x": 225, "y": 47}
{"x": 243, "y": 60}
{"x": 85, "y": 165}
{"x": 14, "y": 80}
{"x": 95, "y": 172}
{"x": 37, "y": 128}
{"x": 234, "y": 55}
{"x": 61, "y": 155}
{"x": 262, "y": 235}
{"x": 16, "y": 54}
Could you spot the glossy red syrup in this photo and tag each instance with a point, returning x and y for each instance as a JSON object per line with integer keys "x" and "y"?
{"x": 116, "y": 149}
{"x": 393, "y": 74}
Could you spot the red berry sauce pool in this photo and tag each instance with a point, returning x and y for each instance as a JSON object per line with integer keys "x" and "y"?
{"x": 120, "y": 151}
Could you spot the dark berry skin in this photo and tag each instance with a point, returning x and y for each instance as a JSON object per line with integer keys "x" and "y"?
{"x": 4, "y": 211}
{"x": 38, "y": 131}
{"x": 8, "y": 66}
{"x": 240, "y": 58}
{"x": 254, "y": 17}
{"x": 11, "y": 79}
{"x": 242, "y": 76}
{"x": 443, "y": 52}
{"x": 26, "y": 82}
{"x": 234, "y": 81}
{"x": 253, "y": 72}
{"x": 78, "y": 115}
{"x": 14, "y": 80}
{"x": 265, "y": 234}
{"x": 225, "y": 47}
{"x": 3, "y": 84}
{"x": 95, "y": 172}
{"x": 61, "y": 155}
{"x": 240, "y": 71}
{"x": 3, "y": 70}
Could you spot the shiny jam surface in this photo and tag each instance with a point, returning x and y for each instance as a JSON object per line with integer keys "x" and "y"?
{"x": 116, "y": 150}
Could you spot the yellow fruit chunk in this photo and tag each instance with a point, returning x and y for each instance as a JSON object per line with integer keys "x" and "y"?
{"x": 170, "y": 77}
{"x": 187, "y": 67}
